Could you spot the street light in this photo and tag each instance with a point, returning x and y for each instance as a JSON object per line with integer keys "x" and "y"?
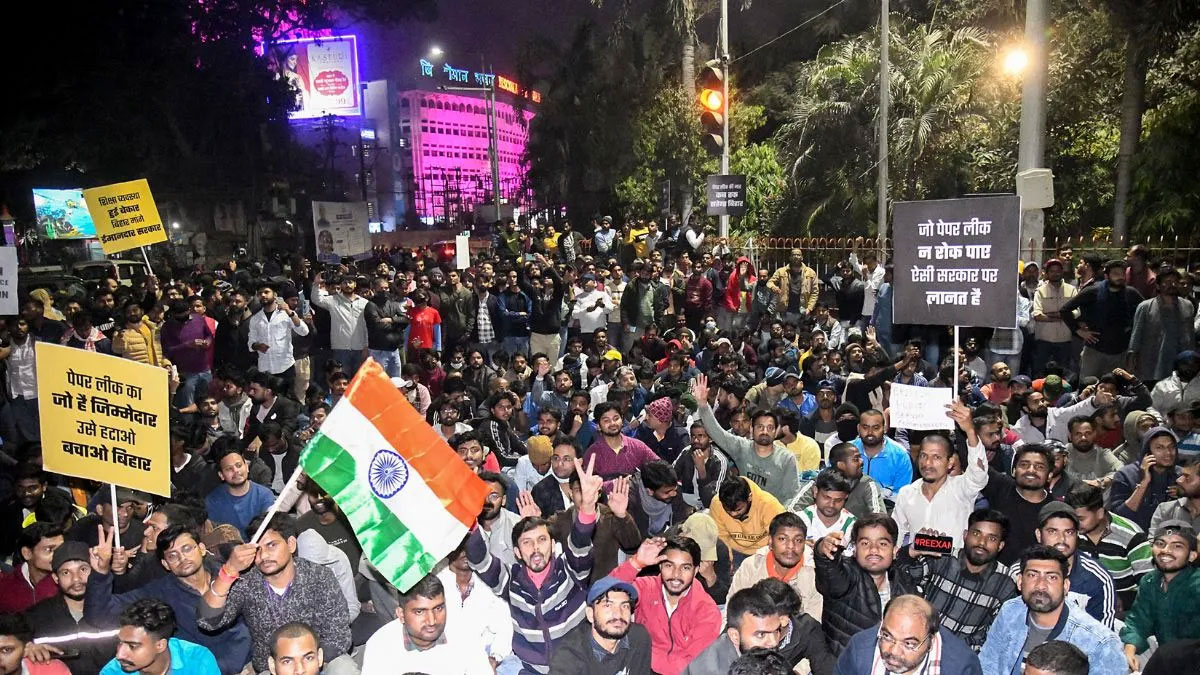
{"x": 436, "y": 52}
{"x": 1016, "y": 61}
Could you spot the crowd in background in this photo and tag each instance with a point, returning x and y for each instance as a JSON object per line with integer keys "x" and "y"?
{"x": 691, "y": 462}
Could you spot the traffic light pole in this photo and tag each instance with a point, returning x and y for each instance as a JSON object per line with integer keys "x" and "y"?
{"x": 723, "y": 227}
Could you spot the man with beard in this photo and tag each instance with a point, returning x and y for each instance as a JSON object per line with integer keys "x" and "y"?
{"x": 271, "y": 404}
{"x": 191, "y": 571}
{"x": 1085, "y": 460}
{"x": 1166, "y": 600}
{"x": 939, "y": 503}
{"x": 386, "y": 323}
{"x": 643, "y": 303}
{"x": 991, "y": 435}
{"x": 764, "y": 460}
{"x": 1119, "y": 544}
{"x": 1106, "y": 321}
{"x": 857, "y": 588}
{"x": 231, "y": 344}
{"x": 884, "y": 459}
{"x": 655, "y": 503}
{"x": 29, "y": 486}
{"x": 864, "y": 496}
{"x": 1162, "y": 328}
{"x": 268, "y": 585}
{"x": 1139, "y": 487}
{"x": 1052, "y": 337}
{"x": 1092, "y": 588}
{"x": 910, "y": 640}
{"x": 1021, "y": 496}
{"x": 270, "y": 335}
{"x": 623, "y": 646}
{"x": 347, "y": 324}
{"x": 496, "y": 522}
{"x": 681, "y": 617}
{"x": 237, "y": 500}
{"x": 144, "y": 565}
{"x": 1181, "y": 388}
{"x": 1187, "y": 506}
{"x": 552, "y": 494}
{"x": 1061, "y": 481}
{"x": 188, "y": 342}
{"x": 546, "y": 592}
{"x": 60, "y": 620}
{"x": 783, "y": 558}
{"x": 449, "y": 422}
{"x": 660, "y": 432}
{"x": 614, "y": 453}
{"x": 1041, "y": 615}
{"x": 127, "y": 521}
{"x": 701, "y": 468}
{"x": 234, "y": 409}
{"x": 145, "y": 644}
{"x": 417, "y": 641}
{"x": 555, "y": 399}
{"x": 1033, "y": 425}
{"x": 966, "y": 588}
{"x": 455, "y": 304}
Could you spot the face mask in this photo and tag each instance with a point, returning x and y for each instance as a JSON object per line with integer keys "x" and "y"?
{"x": 711, "y": 325}
{"x": 847, "y": 430}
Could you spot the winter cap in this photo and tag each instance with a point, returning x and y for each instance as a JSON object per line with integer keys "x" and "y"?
{"x": 71, "y": 550}
{"x": 775, "y": 376}
{"x": 1057, "y": 509}
{"x": 662, "y": 409}
{"x": 540, "y": 449}
{"x": 611, "y": 583}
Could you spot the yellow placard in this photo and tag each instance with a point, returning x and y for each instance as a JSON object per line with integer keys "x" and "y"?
{"x": 104, "y": 418}
{"x": 125, "y": 215}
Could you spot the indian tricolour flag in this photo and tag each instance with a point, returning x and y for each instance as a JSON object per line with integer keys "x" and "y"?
{"x": 408, "y": 496}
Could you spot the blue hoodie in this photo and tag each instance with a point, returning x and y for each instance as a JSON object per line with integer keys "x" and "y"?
{"x": 1127, "y": 478}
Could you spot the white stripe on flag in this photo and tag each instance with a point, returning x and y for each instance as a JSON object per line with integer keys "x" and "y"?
{"x": 415, "y": 505}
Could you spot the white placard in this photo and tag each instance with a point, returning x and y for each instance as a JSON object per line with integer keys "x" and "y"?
{"x": 462, "y": 251}
{"x": 8, "y": 280}
{"x": 922, "y": 408}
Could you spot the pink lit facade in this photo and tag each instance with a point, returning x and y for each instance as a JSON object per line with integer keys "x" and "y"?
{"x": 442, "y": 154}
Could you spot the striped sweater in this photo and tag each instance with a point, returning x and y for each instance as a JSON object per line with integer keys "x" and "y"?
{"x": 1124, "y": 551}
{"x": 541, "y": 616}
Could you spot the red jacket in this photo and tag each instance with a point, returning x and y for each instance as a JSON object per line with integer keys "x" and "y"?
{"x": 16, "y": 595}
{"x": 692, "y": 627}
{"x": 733, "y": 295}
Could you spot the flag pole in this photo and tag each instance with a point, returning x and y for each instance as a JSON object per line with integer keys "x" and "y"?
{"x": 955, "y": 386}
{"x": 275, "y": 506}
{"x": 112, "y": 493}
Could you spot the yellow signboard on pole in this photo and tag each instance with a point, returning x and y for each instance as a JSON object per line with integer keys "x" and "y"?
{"x": 104, "y": 418}
{"x": 125, "y": 215}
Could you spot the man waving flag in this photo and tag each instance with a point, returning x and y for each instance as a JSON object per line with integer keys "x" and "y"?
{"x": 408, "y": 496}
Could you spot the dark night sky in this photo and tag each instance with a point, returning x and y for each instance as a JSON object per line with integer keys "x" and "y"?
{"x": 499, "y": 29}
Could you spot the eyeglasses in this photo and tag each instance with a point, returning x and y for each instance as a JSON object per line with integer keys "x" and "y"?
{"x": 910, "y": 645}
{"x": 184, "y": 551}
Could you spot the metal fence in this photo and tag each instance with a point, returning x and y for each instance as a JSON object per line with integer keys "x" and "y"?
{"x": 823, "y": 253}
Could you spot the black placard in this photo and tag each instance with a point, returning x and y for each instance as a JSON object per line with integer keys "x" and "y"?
{"x": 727, "y": 195}
{"x": 955, "y": 261}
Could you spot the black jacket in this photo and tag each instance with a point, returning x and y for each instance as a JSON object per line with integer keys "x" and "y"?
{"x": 380, "y": 335}
{"x": 284, "y": 412}
{"x": 808, "y": 642}
{"x": 549, "y": 496}
{"x": 51, "y": 618}
{"x": 232, "y": 345}
{"x": 198, "y": 475}
{"x": 1110, "y": 315}
{"x": 573, "y": 653}
{"x": 851, "y": 599}
{"x": 546, "y": 317}
{"x": 290, "y": 459}
{"x": 631, "y": 301}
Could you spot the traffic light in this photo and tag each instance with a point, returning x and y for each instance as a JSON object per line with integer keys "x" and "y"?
{"x": 711, "y": 85}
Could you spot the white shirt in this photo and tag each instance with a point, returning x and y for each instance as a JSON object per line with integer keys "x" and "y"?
{"x": 22, "y": 370}
{"x": 525, "y": 476}
{"x": 482, "y": 613}
{"x": 276, "y": 334}
{"x": 949, "y": 508}
{"x": 347, "y": 326}
{"x": 386, "y": 653}
{"x": 592, "y": 319}
{"x": 873, "y": 280}
{"x": 499, "y": 538}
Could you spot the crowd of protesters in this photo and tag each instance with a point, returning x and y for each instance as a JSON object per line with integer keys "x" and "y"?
{"x": 691, "y": 463}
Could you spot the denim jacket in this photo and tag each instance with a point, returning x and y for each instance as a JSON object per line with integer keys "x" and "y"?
{"x": 1001, "y": 652}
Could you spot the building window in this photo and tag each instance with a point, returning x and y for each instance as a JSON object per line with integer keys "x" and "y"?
{"x": 403, "y": 103}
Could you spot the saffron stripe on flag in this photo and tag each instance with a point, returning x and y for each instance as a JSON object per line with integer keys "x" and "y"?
{"x": 460, "y": 490}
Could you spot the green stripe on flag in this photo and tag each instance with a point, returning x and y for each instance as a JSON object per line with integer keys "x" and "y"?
{"x": 385, "y": 540}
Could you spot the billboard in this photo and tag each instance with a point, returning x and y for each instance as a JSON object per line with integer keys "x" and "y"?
{"x": 62, "y": 214}
{"x": 341, "y": 230}
{"x": 324, "y": 73}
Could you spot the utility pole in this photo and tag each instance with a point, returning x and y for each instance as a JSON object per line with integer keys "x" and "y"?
{"x": 723, "y": 227}
{"x": 1032, "y": 150}
{"x": 884, "y": 103}
{"x": 489, "y": 93}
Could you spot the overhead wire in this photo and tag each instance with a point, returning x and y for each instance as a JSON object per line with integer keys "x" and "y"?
{"x": 784, "y": 34}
